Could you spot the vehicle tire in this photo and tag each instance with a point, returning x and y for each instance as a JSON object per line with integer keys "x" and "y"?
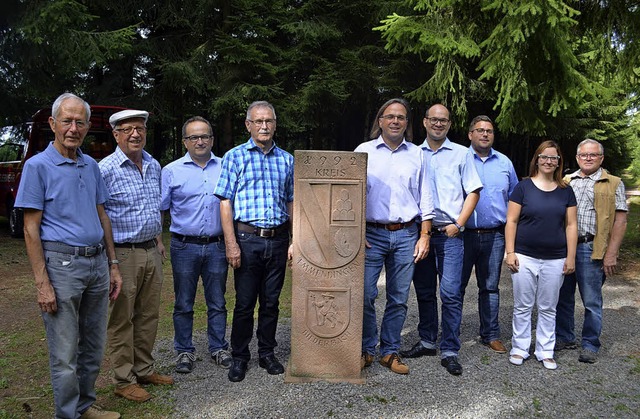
{"x": 16, "y": 222}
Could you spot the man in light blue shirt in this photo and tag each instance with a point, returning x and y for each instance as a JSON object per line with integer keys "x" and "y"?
{"x": 455, "y": 186}
{"x": 197, "y": 243}
{"x": 484, "y": 235}
{"x": 398, "y": 195}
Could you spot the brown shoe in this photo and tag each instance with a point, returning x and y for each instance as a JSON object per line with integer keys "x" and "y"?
{"x": 133, "y": 392}
{"x": 394, "y": 363}
{"x": 156, "y": 378}
{"x": 497, "y": 346}
{"x": 366, "y": 360}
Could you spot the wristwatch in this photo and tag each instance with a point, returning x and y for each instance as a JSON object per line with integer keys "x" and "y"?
{"x": 114, "y": 262}
{"x": 460, "y": 228}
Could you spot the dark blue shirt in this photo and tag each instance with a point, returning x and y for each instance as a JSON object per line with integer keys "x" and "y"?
{"x": 541, "y": 228}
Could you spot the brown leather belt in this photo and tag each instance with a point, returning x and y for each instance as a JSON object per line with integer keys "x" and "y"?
{"x": 262, "y": 232}
{"x": 392, "y": 226}
{"x": 146, "y": 245}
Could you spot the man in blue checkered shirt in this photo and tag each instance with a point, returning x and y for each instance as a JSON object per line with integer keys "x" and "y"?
{"x": 256, "y": 195}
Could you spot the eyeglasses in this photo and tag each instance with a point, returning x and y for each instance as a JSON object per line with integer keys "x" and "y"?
{"x": 482, "y": 131}
{"x": 400, "y": 118}
{"x": 436, "y": 121}
{"x": 261, "y": 122}
{"x": 129, "y": 130}
{"x": 586, "y": 156}
{"x": 196, "y": 138}
{"x": 545, "y": 158}
{"x": 66, "y": 123}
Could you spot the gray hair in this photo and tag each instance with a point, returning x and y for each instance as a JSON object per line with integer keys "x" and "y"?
{"x": 260, "y": 104}
{"x": 589, "y": 141}
{"x": 55, "y": 108}
{"x": 195, "y": 119}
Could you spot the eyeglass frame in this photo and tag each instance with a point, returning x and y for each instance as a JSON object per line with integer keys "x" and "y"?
{"x": 481, "y": 131}
{"x": 139, "y": 130}
{"x": 195, "y": 138}
{"x": 434, "y": 121}
{"x": 585, "y": 156}
{"x": 390, "y": 117}
{"x": 261, "y": 122}
{"x": 545, "y": 158}
{"x": 68, "y": 123}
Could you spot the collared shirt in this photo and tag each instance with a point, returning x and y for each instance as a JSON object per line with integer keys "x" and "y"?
{"x": 259, "y": 185}
{"x": 67, "y": 192}
{"x": 498, "y": 180}
{"x": 134, "y": 206}
{"x": 397, "y": 186}
{"x": 187, "y": 191}
{"x": 584, "y": 189}
{"x": 453, "y": 176}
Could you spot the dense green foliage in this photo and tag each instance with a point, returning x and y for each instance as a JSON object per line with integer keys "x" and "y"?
{"x": 541, "y": 68}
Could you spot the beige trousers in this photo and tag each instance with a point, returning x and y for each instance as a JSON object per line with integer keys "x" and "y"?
{"x": 133, "y": 320}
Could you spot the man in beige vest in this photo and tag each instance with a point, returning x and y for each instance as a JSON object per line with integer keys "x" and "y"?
{"x": 602, "y": 221}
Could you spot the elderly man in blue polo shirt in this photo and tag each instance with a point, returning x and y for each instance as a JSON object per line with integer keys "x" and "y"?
{"x": 484, "y": 235}
{"x": 197, "y": 244}
{"x": 66, "y": 232}
{"x": 132, "y": 177}
{"x": 455, "y": 186}
{"x": 398, "y": 195}
{"x": 256, "y": 193}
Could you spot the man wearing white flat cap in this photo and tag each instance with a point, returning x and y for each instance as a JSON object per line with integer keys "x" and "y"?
{"x": 132, "y": 177}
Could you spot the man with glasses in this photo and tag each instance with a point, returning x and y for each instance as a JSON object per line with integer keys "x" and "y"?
{"x": 484, "y": 235}
{"x": 398, "y": 195}
{"x": 132, "y": 177}
{"x": 602, "y": 222}
{"x": 197, "y": 244}
{"x": 256, "y": 193}
{"x": 455, "y": 186}
{"x": 66, "y": 232}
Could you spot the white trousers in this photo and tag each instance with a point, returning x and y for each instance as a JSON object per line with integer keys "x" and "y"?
{"x": 538, "y": 282}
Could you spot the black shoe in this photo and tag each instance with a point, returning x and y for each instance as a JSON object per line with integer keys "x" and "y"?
{"x": 271, "y": 364}
{"x": 417, "y": 351}
{"x": 238, "y": 370}
{"x": 452, "y": 365}
{"x": 561, "y": 346}
{"x": 184, "y": 364}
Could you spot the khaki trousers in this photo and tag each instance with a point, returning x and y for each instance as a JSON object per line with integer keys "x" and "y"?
{"x": 133, "y": 321}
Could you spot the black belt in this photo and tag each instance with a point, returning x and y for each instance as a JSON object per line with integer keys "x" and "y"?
{"x": 586, "y": 238}
{"x": 499, "y": 229}
{"x": 391, "y": 226}
{"x": 146, "y": 245}
{"x": 197, "y": 239}
{"x": 87, "y": 251}
{"x": 262, "y": 232}
{"x": 436, "y": 229}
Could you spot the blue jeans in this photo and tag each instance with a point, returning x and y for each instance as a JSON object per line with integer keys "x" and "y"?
{"x": 393, "y": 250}
{"x": 77, "y": 332}
{"x": 485, "y": 251}
{"x": 260, "y": 277}
{"x": 589, "y": 277}
{"x": 191, "y": 261}
{"x": 444, "y": 261}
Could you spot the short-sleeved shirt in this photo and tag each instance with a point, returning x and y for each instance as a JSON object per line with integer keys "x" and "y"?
{"x": 134, "y": 205}
{"x": 453, "y": 176}
{"x": 498, "y": 181}
{"x": 187, "y": 191}
{"x": 398, "y": 190}
{"x": 584, "y": 188}
{"x": 541, "y": 232}
{"x": 67, "y": 192}
{"x": 259, "y": 185}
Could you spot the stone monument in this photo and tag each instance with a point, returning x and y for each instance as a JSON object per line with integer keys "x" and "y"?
{"x": 328, "y": 266}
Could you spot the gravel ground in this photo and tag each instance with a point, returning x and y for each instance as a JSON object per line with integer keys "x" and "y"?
{"x": 488, "y": 387}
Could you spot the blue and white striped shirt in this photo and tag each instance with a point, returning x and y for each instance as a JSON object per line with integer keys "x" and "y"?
{"x": 134, "y": 205}
{"x": 259, "y": 185}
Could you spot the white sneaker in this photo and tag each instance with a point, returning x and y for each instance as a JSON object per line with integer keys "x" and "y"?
{"x": 96, "y": 412}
